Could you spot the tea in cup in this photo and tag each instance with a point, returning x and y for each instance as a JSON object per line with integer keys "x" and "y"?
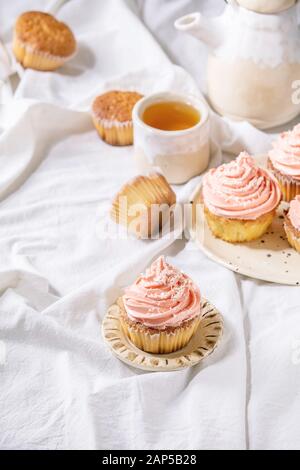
{"x": 171, "y": 135}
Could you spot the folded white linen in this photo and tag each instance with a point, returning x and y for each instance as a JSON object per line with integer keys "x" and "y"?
{"x": 60, "y": 385}
{"x": 53, "y": 264}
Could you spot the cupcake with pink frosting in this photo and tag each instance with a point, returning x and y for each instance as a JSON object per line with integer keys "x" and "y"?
{"x": 240, "y": 199}
{"x": 292, "y": 224}
{"x": 161, "y": 310}
{"x": 284, "y": 161}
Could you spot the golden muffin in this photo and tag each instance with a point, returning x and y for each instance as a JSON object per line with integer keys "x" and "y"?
{"x": 41, "y": 42}
{"x": 112, "y": 116}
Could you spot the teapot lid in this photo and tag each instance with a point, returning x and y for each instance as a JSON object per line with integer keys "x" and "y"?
{"x": 266, "y": 6}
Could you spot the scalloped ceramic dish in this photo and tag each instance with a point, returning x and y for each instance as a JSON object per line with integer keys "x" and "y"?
{"x": 202, "y": 344}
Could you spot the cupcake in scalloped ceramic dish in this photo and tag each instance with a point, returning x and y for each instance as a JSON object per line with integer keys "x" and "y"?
{"x": 161, "y": 310}
{"x": 112, "y": 116}
{"x": 41, "y": 42}
{"x": 240, "y": 200}
{"x": 284, "y": 161}
{"x": 292, "y": 224}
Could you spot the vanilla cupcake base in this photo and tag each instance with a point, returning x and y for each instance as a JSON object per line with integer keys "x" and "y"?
{"x": 157, "y": 341}
{"x": 29, "y": 58}
{"x": 236, "y": 230}
{"x": 114, "y": 133}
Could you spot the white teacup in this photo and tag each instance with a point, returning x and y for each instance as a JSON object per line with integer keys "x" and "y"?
{"x": 178, "y": 155}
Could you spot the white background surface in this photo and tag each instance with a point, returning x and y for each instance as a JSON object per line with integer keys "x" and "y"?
{"x": 60, "y": 385}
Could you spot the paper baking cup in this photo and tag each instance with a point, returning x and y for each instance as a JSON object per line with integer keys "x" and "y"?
{"x": 29, "y": 58}
{"x": 143, "y": 193}
{"x": 159, "y": 342}
{"x": 290, "y": 189}
{"x": 114, "y": 132}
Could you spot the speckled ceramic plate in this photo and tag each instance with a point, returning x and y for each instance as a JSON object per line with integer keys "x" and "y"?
{"x": 270, "y": 258}
{"x": 202, "y": 344}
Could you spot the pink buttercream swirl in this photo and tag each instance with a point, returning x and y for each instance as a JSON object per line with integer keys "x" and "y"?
{"x": 285, "y": 155}
{"x": 294, "y": 212}
{"x": 163, "y": 297}
{"x": 240, "y": 189}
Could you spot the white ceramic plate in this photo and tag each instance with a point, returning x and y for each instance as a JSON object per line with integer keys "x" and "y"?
{"x": 202, "y": 344}
{"x": 270, "y": 258}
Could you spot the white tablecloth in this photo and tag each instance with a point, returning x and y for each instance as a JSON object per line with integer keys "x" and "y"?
{"x": 60, "y": 385}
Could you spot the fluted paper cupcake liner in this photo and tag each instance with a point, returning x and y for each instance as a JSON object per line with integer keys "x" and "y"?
{"x": 114, "y": 132}
{"x": 144, "y": 193}
{"x": 30, "y": 58}
{"x": 161, "y": 341}
{"x": 290, "y": 187}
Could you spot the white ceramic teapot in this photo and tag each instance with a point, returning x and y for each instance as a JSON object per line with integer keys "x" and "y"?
{"x": 254, "y": 59}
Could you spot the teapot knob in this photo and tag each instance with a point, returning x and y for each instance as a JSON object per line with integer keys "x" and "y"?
{"x": 188, "y": 22}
